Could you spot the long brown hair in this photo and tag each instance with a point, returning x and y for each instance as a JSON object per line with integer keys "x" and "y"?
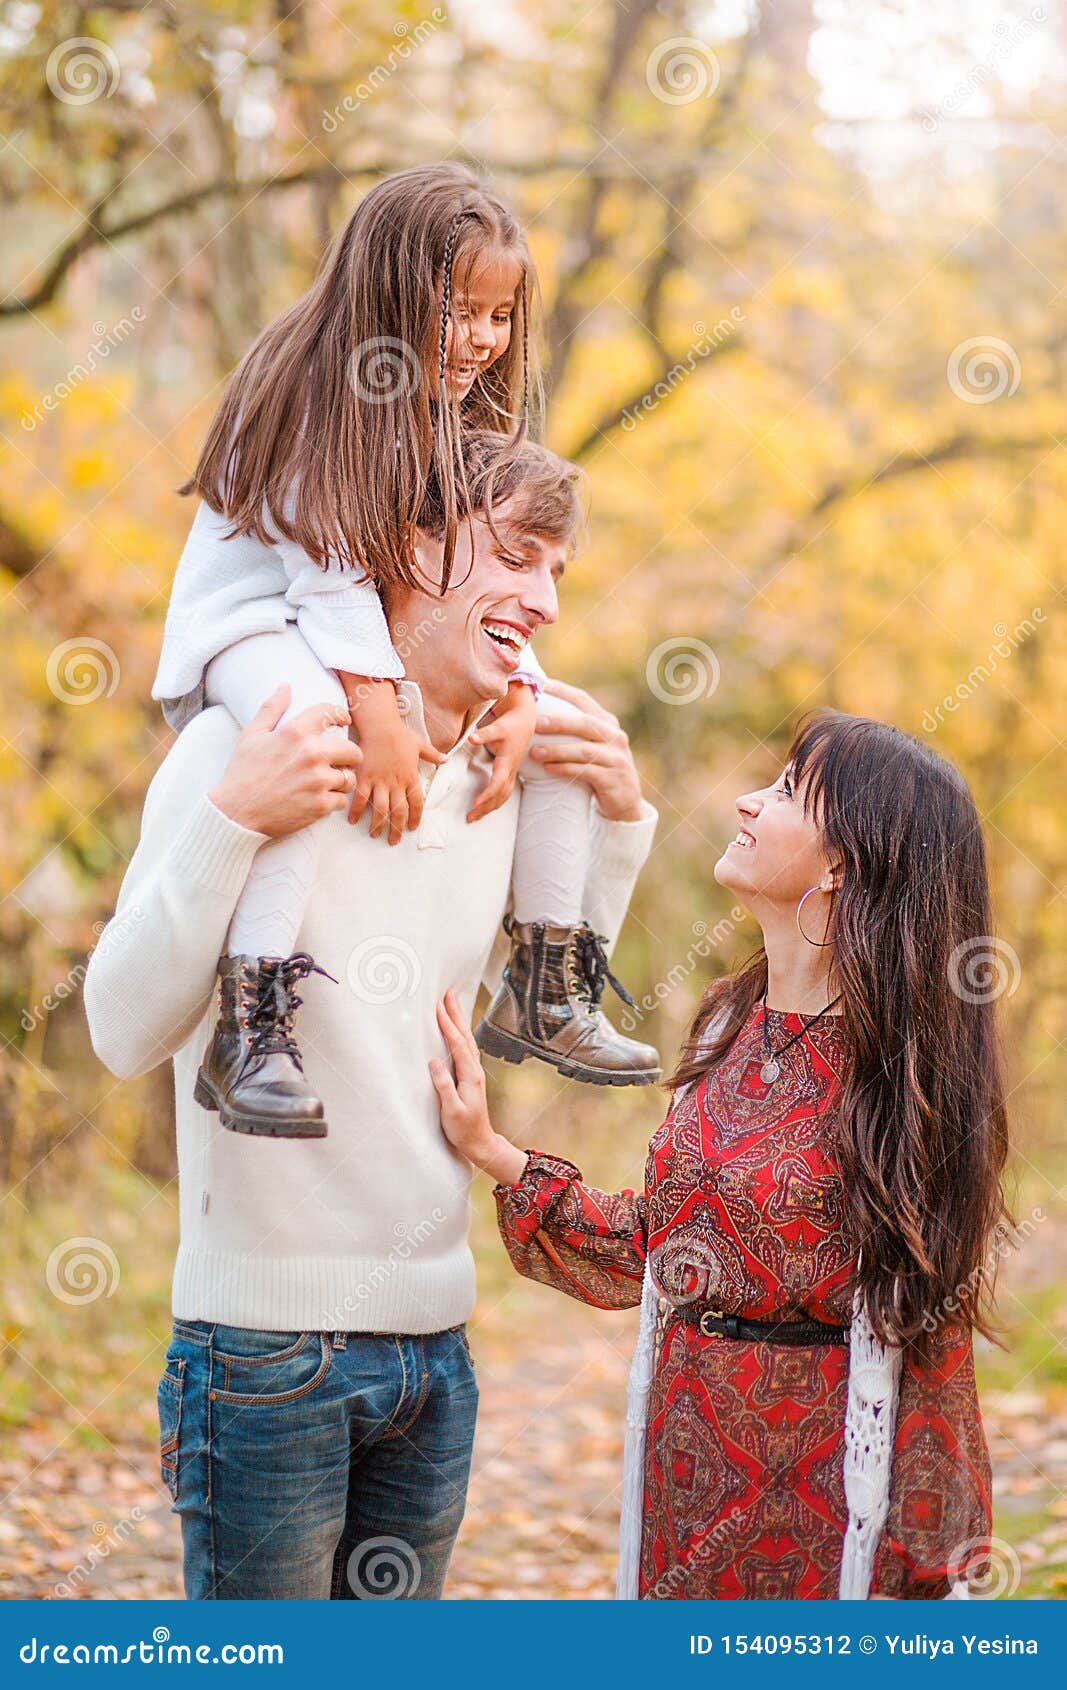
{"x": 922, "y": 1127}
{"x": 329, "y": 425}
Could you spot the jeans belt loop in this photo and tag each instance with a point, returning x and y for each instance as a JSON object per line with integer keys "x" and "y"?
{"x": 339, "y": 1340}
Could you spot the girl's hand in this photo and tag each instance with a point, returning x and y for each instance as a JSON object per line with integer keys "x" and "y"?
{"x": 389, "y": 776}
{"x": 507, "y": 735}
{"x": 461, "y": 1094}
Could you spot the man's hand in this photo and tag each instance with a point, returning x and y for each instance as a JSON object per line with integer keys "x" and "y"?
{"x": 592, "y": 747}
{"x": 461, "y": 1094}
{"x": 281, "y": 779}
{"x": 507, "y": 734}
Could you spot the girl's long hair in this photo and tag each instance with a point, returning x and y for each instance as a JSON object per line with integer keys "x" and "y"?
{"x": 330, "y": 424}
{"x": 922, "y": 1123}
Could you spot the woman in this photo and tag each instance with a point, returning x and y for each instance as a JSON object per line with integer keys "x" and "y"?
{"x": 818, "y": 1204}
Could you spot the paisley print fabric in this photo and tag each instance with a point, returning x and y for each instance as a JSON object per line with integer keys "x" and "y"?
{"x": 742, "y": 1208}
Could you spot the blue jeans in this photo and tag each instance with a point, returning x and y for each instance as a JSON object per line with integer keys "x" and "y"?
{"x": 316, "y": 1465}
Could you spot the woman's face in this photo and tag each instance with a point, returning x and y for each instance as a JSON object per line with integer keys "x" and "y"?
{"x": 479, "y": 328}
{"x": 777, "y": 854}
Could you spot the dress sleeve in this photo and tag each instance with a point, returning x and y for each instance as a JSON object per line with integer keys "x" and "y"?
{"x": 340, "y": 615}
{"x": 939, "y": 1504}
{"x": 589, "y": 1244}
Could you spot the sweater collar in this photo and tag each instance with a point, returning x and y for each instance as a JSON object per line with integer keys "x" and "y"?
{"x": 410, "y": 703}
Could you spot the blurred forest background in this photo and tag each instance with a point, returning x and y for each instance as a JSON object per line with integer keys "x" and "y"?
{"x": 804, "y": 320}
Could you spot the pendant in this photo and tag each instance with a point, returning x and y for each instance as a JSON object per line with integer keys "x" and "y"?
{"x": 770, "y": 1071}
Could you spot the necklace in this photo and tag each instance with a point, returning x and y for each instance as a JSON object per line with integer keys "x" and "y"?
{"x": 771, "y": 1067}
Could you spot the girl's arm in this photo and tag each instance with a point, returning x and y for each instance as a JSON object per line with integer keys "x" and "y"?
{"x": 587, "y": 1243}
{"x": 340, "y": 615}
{"x": 939, "y": 1505}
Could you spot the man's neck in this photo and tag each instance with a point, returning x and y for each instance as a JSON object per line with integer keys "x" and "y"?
{"x": 448, "y": 709}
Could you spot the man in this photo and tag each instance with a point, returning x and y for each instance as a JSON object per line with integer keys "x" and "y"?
{"x": 317, "y": 1404}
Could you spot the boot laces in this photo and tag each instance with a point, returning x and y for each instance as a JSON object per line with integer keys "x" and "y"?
{"x": 276, "y": 1003}
{"x": 591, "y": 972}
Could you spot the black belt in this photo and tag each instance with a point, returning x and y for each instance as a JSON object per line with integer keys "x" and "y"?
{"x": 712, "y": 1322}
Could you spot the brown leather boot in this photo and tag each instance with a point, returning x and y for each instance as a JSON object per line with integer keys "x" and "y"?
{"x": 548, "y": 1005}
{"x": 252, "y": 1072}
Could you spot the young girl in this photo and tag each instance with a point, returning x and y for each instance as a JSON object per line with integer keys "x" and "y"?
{"x": 311, "y": 481}
{"x": 814, "y": 1234}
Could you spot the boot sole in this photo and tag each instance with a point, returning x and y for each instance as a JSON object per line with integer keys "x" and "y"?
{"x": 508, "y": 1048}
{"x": 259, "y": 1127}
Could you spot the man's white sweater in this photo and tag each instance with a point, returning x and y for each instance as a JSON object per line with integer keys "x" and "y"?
{"x": 366, "y": 1229}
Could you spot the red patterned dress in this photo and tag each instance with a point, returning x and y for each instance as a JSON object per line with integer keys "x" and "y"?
{"x": 744, "y": 1494}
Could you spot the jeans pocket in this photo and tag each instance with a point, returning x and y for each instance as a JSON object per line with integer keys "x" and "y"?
{"x": 169, "y": 1405}
{"x": 249, "y": 1366}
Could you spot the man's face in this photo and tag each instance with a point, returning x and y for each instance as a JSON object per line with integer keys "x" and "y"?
{"x": 500, "y": 594}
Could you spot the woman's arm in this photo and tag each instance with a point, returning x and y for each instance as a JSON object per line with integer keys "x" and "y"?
{"x": 587, "y": 1243}
{"x": 939, "y": 1504}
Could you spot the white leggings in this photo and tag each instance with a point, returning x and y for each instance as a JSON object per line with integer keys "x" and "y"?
{"x": 552, "y": 840}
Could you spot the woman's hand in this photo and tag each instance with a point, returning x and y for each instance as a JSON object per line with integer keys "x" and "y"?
{"x": 461, "y": 1094}
{"x": 592, "y": 747}
{"x": 280, "y": 779}
{"x": 507, "y": 734}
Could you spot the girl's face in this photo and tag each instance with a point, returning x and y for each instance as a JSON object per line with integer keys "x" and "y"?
{"x": 479, "y": 327}
{"x": 777, "y": 854}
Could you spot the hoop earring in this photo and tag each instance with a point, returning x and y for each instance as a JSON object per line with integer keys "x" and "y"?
{"x": 820, "y": 944}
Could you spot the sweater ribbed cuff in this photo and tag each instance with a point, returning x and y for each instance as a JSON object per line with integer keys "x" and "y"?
{"x": 213, "y": 850}
{"x": 623, "y": 846}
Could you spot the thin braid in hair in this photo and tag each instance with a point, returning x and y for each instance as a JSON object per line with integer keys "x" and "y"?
{"x": 524, "y": 416}
{"x": 446, "y": 439}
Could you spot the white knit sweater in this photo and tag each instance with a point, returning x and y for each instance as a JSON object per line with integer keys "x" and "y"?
{"x": 226, "y": 589}
{"x": 366, "y": 1229}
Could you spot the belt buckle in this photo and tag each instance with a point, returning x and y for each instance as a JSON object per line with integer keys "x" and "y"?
{"x": 712, "y": 1314}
